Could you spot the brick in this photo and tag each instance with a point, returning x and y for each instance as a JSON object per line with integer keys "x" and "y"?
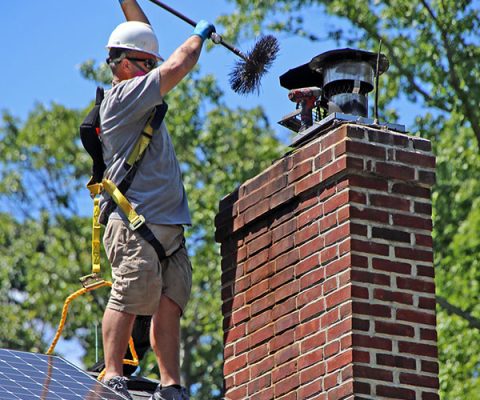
{"x": 370, "y": 277}
{"x": 288, "y": 290}
{"x": 414, "y": 254}
{"x": 342, "y": 391}
{"x": 311, "y": 390}
{"x": 337, "y": 234}
{"x": 312, "y": 278}
{"x": 369, "y": 214}
{"x": 362, "y": 371}
{"x": 391, "y": 296}
{"x": 416, "y": 158}
{"x": 259, "y": 383}
{"x": 312, "y": 358}
{"x": 235, "y": 333}
{"x": 254, "y": 213}
{"x": 306, "y": 152}
{"x": 286, "y": 386}
{"x": 263, "y": 272}
{"x": 430, "y": 396}
{"x": 234, "y": 364}
{"x": 395, "y": 171}
{"x": 261, "y": 336}
{"x": 286, "y": 322}
{"x": 312, "y": 246}
{"x": 282, "y": 340}
{"x": 365, "y": 182}
{"x": 422, "y": 208}
{"x": 384, "y": 264}
{"x": 339, "y": 361}
{"x": 324, "y": 158}
{"x": 308, "y": 296}
{"x": 337, "y": 266}
{"x": 284, "y": 371}
{"x": 262, "y": 303}
{"x": 417, "y": 285}
{"x": 257, "y": 291}
{"x": 423, "y": 240}
{"x": 329, "y": 318}
{"x": 312, "y": 309}
{"x": 256, "y": 260}
{"x": 282, "y": 277}
{"x": 372, "y": 342}
{"x": 376, "y": 310}
{"x": 282, "y": 197}
{"x": 259, "y": 321}
{"x": 419, "y": 380}
{"x": 428, "y": 334}
{"x": 393, "y": 202}
{"x": 307, "y": 328}
{"x": 396, "y": 361}
{"x": 361, "y": 387}
{"x": 394, "y": 329}
{"x": 337, "y": 330}
{"x": 416, "y": 191}
{"x": 264, "y": 365}
{"x": 307, "y": 233}
{"x": 412, "y": 221}
{"x": 258, "y": 353}
{"x": 307, "y": 183}
{"x": 285, "y": 229}
{"x": 285, "y": 260}
{"x": 416, "y": 316}
{"x": 360, "y": 324}
{"x": 280, "y": 247}
{"x": 288, "y": 353}
{"x": 426, "y": 270}
{"x": 391, "y": 234}
{"x": 395, "y": 392}
{"x": 427, "y": 177}
{"x": 338, "y": 297}
{"x": 420, "y": 349}
{"x": 314, "y": 342}
{"x": 430, "y": 366}
{"x": 307, "y": 217}
{"x": 306, "y": 265}
{"x": 335, "y": 202}
{"x": 300, "y": 170}
{"x": 236, "y": 393}
{"x": 284, "y": 308}
{"x": 259, "y": 243}
{"x": 370, "y": 247}
{"x": 266, "y": 394}
{"x": 359, "y": 261}
{"x": 366, "y": 149}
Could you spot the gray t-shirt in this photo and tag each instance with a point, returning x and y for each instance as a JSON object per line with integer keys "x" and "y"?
{"x": 157, "y": 190}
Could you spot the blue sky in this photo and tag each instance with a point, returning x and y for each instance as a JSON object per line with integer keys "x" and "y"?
{"x": 44, "y": 42}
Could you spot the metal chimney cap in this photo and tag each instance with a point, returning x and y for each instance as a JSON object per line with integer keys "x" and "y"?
{"x": 320, "y": 62}
{"x": 311, "y": 73}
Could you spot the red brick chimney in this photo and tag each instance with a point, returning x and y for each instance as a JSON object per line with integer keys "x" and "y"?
{"x": 327, "y": 277}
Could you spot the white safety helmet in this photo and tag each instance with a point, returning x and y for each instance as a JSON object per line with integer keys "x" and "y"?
{"x": 134, "y": 35}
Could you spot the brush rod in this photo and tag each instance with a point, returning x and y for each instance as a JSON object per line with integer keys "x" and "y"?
{"x": 215, "y": 36}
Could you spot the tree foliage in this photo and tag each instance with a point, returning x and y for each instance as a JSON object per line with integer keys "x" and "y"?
{"x": 433, "y": 48}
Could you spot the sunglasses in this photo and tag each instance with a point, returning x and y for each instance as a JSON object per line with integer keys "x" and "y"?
{"x": 149, "y": 63}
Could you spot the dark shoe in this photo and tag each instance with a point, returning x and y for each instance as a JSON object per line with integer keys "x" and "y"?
{"x": 119, "y": 385}
{"x": 170, "y": 393}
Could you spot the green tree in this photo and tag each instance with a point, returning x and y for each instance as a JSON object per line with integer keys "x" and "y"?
{"x": 43, "y": 173}
{"x": 433, "y": 48}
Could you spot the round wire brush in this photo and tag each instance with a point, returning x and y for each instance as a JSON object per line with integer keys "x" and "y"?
{"x": 247, "y": 73}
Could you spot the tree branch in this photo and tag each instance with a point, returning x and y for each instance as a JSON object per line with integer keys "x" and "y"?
{"x": 452, "y": 309}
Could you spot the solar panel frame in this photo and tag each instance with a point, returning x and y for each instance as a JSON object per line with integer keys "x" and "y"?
{"x": 27, "y": 376}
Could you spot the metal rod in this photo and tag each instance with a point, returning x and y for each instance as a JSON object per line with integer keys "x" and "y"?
{"x": 377, "y": 74}
{"x": 215, "y": 36}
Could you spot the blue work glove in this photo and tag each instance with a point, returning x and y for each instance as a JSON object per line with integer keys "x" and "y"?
{"x": 203, "y": 29}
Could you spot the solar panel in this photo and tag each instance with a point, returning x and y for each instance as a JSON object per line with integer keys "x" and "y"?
{"x": 29, "y": 376}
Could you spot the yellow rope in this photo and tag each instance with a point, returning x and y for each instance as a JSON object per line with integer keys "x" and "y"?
{"x": 63, "y": 319}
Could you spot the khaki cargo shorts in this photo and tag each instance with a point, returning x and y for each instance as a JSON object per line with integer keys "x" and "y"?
{"x": 139, "y": 279}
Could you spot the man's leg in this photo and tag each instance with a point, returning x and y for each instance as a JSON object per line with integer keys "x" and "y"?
{"x": 116, "y": 331}
{"x": 165, "y": 340}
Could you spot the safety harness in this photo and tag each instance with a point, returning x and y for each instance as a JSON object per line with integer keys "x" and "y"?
{"x": 90, "y": 136}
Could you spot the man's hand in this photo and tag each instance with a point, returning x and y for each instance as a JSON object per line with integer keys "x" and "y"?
{"x": 203, "y": 29}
